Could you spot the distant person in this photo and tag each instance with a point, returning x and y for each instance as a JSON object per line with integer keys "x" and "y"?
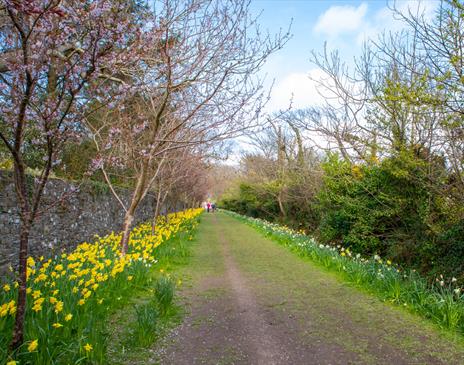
{"x": 208, "y": 207}
{"x": 214, "y": 207}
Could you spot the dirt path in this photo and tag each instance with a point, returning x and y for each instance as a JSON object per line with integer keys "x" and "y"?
{"x": 251, "y": 301}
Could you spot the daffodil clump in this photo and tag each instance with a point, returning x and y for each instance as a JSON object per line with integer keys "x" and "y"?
{"x": 70, "y": 296}
{"x": 441, "y": 301}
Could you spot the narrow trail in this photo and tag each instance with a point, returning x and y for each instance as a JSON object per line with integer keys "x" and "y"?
{"x": 264, "y": 342}
{"x": 250, "y": 301}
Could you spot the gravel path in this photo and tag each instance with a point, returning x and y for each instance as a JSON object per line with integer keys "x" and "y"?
{"x": 250, "y": 301}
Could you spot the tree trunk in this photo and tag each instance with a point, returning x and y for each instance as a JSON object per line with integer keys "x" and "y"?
{"x": 281, "y": 205}
{"x": 126, "y": 229}
{"x": 155, "y": 218}
{"x": 26, "y": 223}
{"x": 18, "y": 331}
{"x": 137, "y": 196}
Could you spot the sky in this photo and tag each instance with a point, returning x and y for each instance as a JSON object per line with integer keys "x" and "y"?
{"x": 342, "y": 24}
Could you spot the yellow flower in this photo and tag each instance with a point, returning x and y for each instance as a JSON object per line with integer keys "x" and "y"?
{"x": 6, "y": 287}
{"x": 33, "y": 345}
{"x": 53, "y": 300}
{"x": 130, "y": 277}
{"x": 28, "y": 290}
{"x": 36, "y": 294}
{"x": 57, "y": 325}
{"x": 88, "y": 347}
{"x": 12, "y": 362}
{"x": 58, "y": 306}
{"x": 389, "y": 262}
{"x": 12, "y": 307}
{"x": 68, "y": 317}
{"x": 100, "y": 301}
{"x": 30, "y": 261}
{"x": 3, "y": 310}
{"x": 343, "y": 254}
{"x": 41, "y": 277}
{"x": 81, "y": 302}
{"x": 37, "y": 308}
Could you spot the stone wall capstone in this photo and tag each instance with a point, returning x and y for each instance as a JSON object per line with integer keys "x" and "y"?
{"x": 89, "y": 211}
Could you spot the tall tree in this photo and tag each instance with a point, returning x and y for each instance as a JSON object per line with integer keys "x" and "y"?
{"x": 56, "y": 56}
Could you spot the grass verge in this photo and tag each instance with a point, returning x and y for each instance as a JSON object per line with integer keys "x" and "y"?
{"x": 152, "y": 311}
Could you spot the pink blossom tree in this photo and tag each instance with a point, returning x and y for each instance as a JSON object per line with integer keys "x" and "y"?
{"x": 57, "y": 57}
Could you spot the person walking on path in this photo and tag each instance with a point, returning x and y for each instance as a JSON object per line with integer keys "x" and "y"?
{"x": 208, "y": 206}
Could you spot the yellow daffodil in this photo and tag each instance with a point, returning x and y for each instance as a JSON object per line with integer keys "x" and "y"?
{"x": 33, "y": 345}
{"x": 88, "y": 347}
{"x": 58, "y": 306}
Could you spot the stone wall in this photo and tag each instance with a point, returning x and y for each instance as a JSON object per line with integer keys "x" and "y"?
{"x": 89, "y": 211}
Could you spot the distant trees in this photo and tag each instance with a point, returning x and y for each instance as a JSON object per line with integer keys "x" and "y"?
{"x": 279, "y": 180}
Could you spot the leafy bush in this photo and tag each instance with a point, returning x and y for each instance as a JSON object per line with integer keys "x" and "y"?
{"x": 389, "y": 208}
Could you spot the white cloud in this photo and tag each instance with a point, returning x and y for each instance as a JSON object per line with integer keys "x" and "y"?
{"x": 426, "y": 8}
{"x": 296, "y": 88}
{"x": 385, "y": 20}
{"x": 339, "y": 19}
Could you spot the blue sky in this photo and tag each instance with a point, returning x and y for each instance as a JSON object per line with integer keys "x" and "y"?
{"x": 342, "y": 24}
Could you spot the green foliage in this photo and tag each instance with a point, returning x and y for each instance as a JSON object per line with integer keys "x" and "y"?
{"x": 393, "y": 208}
{"x": 164, "y": 293}
{"x": 76, "y": 159}
{"x": 259, "y": 200}
{"x": 146, "y": 324}
{"x": 255, "y": 200}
